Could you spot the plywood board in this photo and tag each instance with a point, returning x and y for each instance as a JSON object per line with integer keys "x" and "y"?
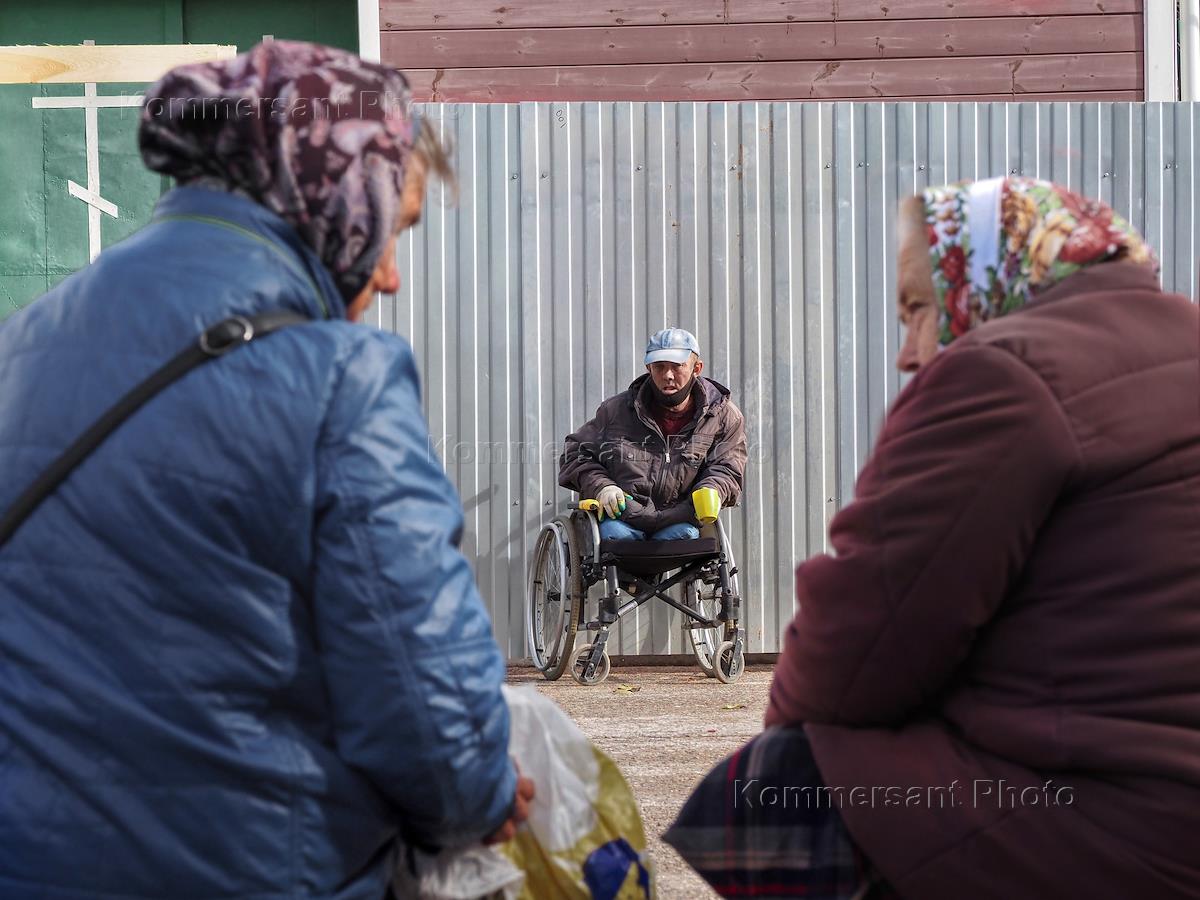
{"x": 104, "y": 63}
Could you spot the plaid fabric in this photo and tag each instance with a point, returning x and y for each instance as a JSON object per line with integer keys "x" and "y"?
{"x": 759, "y": 825}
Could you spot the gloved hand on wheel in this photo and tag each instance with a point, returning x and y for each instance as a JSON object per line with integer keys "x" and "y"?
{"x": 612, "y": 501}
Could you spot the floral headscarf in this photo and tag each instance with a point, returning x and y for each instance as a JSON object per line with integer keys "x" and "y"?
{"x": 995, "y": 244}
{"x": 315, "y": 134}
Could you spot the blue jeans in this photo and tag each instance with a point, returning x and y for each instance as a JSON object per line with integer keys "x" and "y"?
{"x": 616, "y": 530}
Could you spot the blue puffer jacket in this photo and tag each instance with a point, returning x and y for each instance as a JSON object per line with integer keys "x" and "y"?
{"x": 240, "y": 652}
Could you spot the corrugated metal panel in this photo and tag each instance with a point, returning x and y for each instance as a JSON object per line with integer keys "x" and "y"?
{"x": 767, "y": 229}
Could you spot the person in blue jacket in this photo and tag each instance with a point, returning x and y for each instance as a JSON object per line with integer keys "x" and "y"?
{"x": 241, "y": 655}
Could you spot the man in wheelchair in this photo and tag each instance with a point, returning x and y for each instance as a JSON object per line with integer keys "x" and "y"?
{"x": 671, "y": 432}
{"x": 636, "y": 465}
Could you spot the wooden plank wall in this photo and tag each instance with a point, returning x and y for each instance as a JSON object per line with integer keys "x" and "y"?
{"x": 512, "y": 50}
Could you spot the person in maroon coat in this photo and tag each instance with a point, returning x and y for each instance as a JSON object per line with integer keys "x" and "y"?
{"x": 998, "y": 666}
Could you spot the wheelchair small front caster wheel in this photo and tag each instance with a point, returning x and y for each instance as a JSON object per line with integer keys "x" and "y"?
{"x": 579, "y": 665}
{"x": 729, "y": 665}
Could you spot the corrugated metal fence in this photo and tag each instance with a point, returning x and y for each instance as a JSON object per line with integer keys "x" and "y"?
{"x": 765, "y": 228}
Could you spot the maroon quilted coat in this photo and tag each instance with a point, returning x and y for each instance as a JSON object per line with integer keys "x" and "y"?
{"x": 1015, "y": 600}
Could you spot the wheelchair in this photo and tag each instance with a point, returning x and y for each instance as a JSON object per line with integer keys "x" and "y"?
{"x": 569, "y": 559}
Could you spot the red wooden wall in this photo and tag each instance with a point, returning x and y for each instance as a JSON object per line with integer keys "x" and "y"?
{"x": 510, "y": 50}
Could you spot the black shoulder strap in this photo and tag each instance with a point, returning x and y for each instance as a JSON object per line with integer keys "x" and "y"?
{"x": 215, "y": 341}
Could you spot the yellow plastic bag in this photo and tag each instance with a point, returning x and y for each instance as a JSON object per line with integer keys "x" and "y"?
{"x": 584, "y": 838}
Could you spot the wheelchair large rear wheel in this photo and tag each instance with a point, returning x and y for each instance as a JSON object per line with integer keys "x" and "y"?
{"x": 705, "y": 597}
{"x": 554, "y": 607}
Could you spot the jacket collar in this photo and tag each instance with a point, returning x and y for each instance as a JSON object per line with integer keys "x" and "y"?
{"x": 243, "y": 214}
{"x": 1101, "y": 278}
{"x": 715, "y": 394}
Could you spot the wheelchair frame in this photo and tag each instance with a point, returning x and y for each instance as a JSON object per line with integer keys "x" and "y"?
{"x": 568, "y": 560}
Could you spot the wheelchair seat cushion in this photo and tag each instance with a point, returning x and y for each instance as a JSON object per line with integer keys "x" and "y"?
{"x": 657, "y": 557}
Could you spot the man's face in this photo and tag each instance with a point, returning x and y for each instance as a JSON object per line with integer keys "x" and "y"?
{"x": 915, "y": 297}
{"x": 671, "y": 378}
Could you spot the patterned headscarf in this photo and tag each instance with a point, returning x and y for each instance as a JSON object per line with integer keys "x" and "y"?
{"x": 315, "y": 134}
{"x": 995, "y": 244}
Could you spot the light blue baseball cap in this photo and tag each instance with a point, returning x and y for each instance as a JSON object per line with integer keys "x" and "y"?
{"x": 672, "y": 345}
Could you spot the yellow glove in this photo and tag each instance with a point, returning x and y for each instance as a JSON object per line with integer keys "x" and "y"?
{"x": 707, "y": 503}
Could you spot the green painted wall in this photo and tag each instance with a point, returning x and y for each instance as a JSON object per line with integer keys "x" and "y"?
{"x": 43, "y": 229}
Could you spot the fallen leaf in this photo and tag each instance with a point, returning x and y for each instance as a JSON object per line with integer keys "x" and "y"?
{"x": 734, "y": 706}
{"x": 626, "y": 689}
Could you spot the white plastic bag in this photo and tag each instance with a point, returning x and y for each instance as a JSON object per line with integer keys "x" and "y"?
{"x": 469, "y": 874}
{"x": 583, "y": 839}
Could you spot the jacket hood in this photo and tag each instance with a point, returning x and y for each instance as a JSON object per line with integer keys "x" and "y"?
{"x": 256, "y": 221}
